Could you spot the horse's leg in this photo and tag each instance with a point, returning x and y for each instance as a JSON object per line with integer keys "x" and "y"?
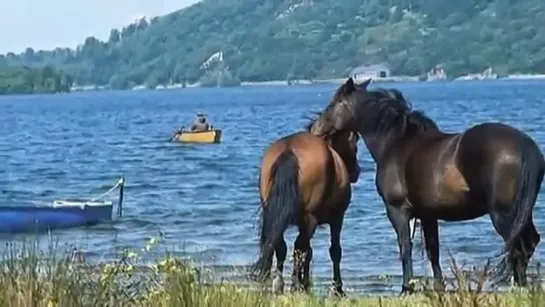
{"x": 399, "y": 216}
{"x": 335, "y": 252}
{"x": 531, "y": 242}
{"x": 521, "y": 252}
{"x": 281, "y": 249}
{"x": 524, "y": 250}
{"x": 516, "y": 261}
{"x": 297, "y": 274}
{"x": 302, "y": 255}
{"x": 431, "y": 237}
{"x": 311, "y": 228}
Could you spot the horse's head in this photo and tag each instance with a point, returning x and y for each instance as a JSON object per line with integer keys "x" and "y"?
{"x": 343, "y": 109}
{"x": 345, "y": 143}
{"x": 382, "y": 116}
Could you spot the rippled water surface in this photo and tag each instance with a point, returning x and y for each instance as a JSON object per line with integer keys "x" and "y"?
{"x": 203, "y": 199}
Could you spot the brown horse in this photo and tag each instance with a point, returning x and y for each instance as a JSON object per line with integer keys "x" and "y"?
{"x": 304, "y": 181}
{"x": 424, "y": 173}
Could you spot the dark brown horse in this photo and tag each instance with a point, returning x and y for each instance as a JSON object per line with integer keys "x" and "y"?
{"x": 424, "y": 173}
{"x": 304, "y": 181}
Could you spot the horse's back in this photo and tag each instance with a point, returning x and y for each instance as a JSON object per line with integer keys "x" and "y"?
{"x": 306, "y": 146}
{"x": 494, "y": 132}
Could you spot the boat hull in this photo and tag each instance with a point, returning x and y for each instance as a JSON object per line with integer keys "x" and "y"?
{"x": 209, "y": 136}
{"x": 62, "y": 214}
{"x": 39, "y": 219}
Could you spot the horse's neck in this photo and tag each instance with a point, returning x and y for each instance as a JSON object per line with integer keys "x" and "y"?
{"x": 378, "y": 144}
{"x": 381, "y": 146}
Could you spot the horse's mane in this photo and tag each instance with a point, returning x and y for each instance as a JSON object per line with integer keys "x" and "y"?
{"x": 384, "y": 109}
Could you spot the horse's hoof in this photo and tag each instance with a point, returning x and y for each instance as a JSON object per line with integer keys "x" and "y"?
{"x": 438, "y": 286}
{"x": 295, "y": 287}
{"x": 278, "y": 284}
{"x": 258, "y": 277}
{"x": 336, "y": 290}
{"x": 406, "y": 290}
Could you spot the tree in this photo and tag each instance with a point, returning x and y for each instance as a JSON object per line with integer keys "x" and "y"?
{"x": 29, "y": 55}
{"x": 25, "y": 80}
{"x": 115, "y": 37}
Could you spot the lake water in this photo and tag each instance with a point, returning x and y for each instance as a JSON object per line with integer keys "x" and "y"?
{"x": 203, "y": 199}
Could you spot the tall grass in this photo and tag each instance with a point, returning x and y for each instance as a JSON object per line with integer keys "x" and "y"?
{"x": 30, "y": 277}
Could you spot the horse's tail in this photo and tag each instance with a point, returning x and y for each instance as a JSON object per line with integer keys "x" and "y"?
{"x": 528, "y": 184}
{"x": 281, "y": 208}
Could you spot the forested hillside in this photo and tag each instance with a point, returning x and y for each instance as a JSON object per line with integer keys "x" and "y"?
{"x": 24, "y": 80}
{"x": 309, "y": 39}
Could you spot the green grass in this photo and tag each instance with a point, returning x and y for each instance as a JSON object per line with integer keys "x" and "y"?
{"x": 29, "y": 277}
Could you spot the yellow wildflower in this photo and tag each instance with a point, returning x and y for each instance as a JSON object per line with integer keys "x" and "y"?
{"x": 107, "y": 268}
{"x": 129, "y": 268}
{"x": 151, "y": 242}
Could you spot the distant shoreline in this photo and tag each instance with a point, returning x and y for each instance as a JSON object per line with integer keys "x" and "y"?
{"x": 397, "y": 79}
{"x": 394, "y": 79}
{"x": 324, "y": 81}
{"x": 284, "y": 83}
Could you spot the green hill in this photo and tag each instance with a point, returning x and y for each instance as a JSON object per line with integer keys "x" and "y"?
{"x": 308, "y": 39}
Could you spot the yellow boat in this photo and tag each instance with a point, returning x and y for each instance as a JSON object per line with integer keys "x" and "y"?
{"x": 209, "y": 136}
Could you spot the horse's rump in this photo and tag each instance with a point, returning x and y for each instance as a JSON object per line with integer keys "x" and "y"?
{"x": 311, "y": 153}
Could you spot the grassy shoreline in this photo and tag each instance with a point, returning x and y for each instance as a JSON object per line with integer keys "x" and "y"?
{"x": 30, "y": 277}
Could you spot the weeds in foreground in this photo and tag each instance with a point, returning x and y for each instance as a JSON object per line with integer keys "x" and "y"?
{"x": 29, "y": 277}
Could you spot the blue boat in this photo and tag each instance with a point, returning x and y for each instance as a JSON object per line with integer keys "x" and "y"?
{"x": 62, "y": 214}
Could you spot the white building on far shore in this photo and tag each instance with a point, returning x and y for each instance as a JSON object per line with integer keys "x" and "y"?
{"x": 362, "y": 73}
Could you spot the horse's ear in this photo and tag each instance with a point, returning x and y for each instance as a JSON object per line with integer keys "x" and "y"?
{"x": 365, "y": 84}
{"x": 349, "y": 86}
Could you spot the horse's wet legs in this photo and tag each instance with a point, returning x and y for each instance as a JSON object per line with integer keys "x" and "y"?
{"x": 298, "y": 262}
{"x": 306, "y": 267}
{"x": 302, "y": 256}
{"x": 519, "y": 264}
{"x": 399, "y": 217}
{"x": 310, "y": 228}
{"x": 524, "y": 249}
{"x": 335, "y": 252}
{"x": 431, "y": 237}
{"x": 281, "y": 250}
{"x": 519, "y": 255}
{"x": 532, "y": 240}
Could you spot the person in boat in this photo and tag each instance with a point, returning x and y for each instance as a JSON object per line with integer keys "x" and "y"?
{"x": 200, "y": 123}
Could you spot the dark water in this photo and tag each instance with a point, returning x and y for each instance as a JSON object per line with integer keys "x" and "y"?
{"x": 203, "y": 199}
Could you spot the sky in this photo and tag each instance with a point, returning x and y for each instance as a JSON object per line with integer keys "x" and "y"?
{"x": 46, "y": 24}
